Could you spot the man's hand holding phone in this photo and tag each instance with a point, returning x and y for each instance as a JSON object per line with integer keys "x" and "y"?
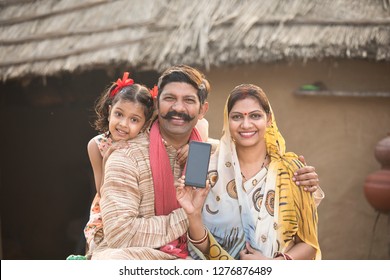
{"x": 191, "y": 198}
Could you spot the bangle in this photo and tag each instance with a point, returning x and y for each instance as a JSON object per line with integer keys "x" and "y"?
{"x": 285, "y": 256}
{"x": 200, "y": 241}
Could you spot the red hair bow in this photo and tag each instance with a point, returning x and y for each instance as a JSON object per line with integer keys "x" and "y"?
{"x": 122, "y": 83}
{"x": 154, "y": 92}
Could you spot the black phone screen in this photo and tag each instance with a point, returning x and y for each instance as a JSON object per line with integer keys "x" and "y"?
{"x": 197, "y": 164}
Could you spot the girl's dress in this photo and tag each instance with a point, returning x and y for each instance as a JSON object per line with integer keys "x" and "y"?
{"x": 93, "y": 230}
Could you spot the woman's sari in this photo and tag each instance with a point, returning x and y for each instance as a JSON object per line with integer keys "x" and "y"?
{"x": 268, "y": 210}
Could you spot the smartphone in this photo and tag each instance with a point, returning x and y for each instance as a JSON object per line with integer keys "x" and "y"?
{"x": 197, "y": 164}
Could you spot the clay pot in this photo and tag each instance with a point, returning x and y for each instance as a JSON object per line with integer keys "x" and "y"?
{"x": 382, "y": 152}
{"x": 377, "y": 190}
{"x": 377, "y": 185}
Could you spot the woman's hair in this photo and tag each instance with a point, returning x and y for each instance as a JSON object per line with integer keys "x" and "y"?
{"x": 185, "y": 74}
{"x": 133, "y": 93}
{"x": 248, "y": 90}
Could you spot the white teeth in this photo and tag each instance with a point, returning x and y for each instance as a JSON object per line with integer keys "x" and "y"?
{"x": 120, "y": 131}
{"x": 247, "y": 133}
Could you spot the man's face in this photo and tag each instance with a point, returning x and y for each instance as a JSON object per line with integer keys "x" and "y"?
{"x": 179, "y": 109}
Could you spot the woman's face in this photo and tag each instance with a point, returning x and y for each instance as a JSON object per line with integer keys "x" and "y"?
{"x": 248, "y": 122}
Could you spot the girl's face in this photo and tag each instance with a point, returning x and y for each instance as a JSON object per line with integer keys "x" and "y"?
{"x": 248, "y": 122}
{"x": 126, "y": 120}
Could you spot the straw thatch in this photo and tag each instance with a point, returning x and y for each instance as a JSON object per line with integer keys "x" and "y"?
{"x": 46, "y": 37}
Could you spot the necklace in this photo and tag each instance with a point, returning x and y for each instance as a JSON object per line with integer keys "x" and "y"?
{"x": 262, "y": 166}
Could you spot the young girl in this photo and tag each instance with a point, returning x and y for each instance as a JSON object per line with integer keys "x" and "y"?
{"x": 123, "y": 110}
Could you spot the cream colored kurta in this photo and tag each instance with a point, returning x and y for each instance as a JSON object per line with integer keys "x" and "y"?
{"x": 131, "y": 229}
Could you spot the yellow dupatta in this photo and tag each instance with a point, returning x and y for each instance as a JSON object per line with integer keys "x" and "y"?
{"x": 297, "y": 214}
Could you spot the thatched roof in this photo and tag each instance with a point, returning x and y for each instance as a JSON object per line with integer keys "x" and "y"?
{"x": 46, "y": 37}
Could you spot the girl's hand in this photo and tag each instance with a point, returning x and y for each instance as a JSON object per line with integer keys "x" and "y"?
{"x": 115, "y": 146}
{"x": 191, "y": 198}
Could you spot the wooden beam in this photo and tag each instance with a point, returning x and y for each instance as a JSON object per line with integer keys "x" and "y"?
{"x": 27, "y": 18}
{"x": 74, "y": 52}
{"x": 314, "y": 21}
{"x": 342, "y": 93}
{"x": 62, "y": 34}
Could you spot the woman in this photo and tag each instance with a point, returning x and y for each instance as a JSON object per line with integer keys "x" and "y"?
{"x": 251, "y": 207}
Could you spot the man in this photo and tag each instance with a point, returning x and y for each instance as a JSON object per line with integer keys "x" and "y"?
{"x": 141, "y": 216}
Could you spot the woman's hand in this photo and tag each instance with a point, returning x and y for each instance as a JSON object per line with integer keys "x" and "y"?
{"x": 182, "y": 155}
{"x": 306, "y": 177}
{"x": 191, "y": 198}
{"x": 251, "y": 254}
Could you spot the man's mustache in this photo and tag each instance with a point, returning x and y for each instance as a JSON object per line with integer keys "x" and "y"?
{"x": 173, "y": 113}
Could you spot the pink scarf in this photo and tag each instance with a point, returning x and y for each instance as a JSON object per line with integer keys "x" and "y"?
{"x": 164, "y": 189}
